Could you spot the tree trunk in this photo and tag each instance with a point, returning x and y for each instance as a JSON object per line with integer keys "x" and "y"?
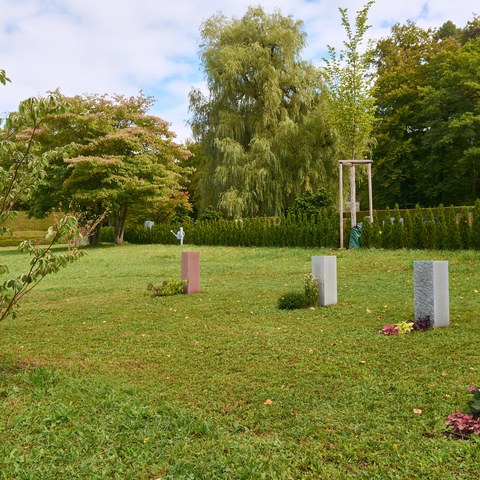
{"x": 94, "y": 237}
{"x": 119, "y": 224}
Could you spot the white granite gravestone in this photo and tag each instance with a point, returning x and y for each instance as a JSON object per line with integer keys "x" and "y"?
{"x": 325, "y": 269}
{"x": 431, "y": 296}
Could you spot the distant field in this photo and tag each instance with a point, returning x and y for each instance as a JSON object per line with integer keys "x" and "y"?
{"x": 25, "y": 228}
{"x": 98, "y": 380}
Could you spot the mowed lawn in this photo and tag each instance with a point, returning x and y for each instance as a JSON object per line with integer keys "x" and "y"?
{"x": 99, "y": 380}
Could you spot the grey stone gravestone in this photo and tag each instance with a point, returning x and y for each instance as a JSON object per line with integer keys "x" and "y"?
{"x": 325, "y": 269}
{"x": 431, "y": 295}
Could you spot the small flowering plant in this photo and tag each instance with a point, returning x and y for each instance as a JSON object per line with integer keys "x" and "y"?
{"x": 389, "y": 330}
{"x": 404, "y": 327}
{"x": 463, "y": 425}
{"x": 419, "y": 324}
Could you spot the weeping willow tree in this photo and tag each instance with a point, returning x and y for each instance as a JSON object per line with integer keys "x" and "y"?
{"x": 262, "y": 127}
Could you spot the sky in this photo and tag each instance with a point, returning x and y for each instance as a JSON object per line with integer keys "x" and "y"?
{"x": 128, "y": 46}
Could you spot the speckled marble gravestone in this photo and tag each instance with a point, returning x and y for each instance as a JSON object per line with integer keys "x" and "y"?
{"x": 325, "y": 269}
{"x": 431, "y": 295}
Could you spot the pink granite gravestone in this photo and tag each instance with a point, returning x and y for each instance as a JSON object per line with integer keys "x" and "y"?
{"x": 191, "y": 271}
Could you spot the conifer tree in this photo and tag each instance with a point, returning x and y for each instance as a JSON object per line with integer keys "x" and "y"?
{"x": 430, "y": 230}
{"x": 419, "y": 233}
{"x": 398, "y": 230}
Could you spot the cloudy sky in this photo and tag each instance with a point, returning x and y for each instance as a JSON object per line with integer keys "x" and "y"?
{"x": 124, "y": 46}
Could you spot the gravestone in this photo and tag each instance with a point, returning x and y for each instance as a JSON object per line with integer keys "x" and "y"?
{"x": 191, "y": 271}
{"x": 148, "y": 224}
{"x": 431, "y": 295}
{"x": 325, "y": 269}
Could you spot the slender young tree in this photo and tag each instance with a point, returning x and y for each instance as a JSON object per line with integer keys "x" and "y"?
{"x": 349, "y": 83}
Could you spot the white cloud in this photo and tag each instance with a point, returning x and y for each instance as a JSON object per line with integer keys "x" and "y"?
{"x": 124, "y": 46}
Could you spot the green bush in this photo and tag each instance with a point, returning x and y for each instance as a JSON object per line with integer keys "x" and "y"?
{"x": 107, "y": 234}
{"x": 168, "y": 287}
{"x": 292, "y": 301}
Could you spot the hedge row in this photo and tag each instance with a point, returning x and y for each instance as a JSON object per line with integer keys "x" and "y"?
{"x": 450, "y": 228}
{"x": 290, "y": 231}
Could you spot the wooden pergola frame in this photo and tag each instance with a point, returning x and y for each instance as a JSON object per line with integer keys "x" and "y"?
{"x": 353, "y": 212}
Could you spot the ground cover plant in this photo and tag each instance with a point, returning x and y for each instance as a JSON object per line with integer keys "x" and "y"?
{"x": 100, "y": 380}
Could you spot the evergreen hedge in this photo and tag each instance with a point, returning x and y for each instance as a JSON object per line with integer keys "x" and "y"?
{"x": 291, "y": 231}
{"x": 440, "y": 228}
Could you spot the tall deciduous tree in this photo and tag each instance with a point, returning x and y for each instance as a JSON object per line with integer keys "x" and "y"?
{"x": 119, "y": 158}
{"x": 262, "y": 127}
{"x": 450, "y": 170}
{"x": 427, "y": 130}
{"x": 402, "y": 65}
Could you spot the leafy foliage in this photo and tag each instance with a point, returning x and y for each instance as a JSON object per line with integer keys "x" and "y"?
{"x": 209, "y": 214}
{"x": 318, "y": 231}
{"x": 463, "y": 423}
{"x": 474, "y": 403}
{"x": 311, "y": 290}
{"x": 3, "y": 77}
{"x": 292, "y": 301}
{"x": 347, "y": 76}
{"x": 427, "y": 121}
{"x": 263, "y": 129}
{"x": 442, "y": 229}
{"x": 466, "y": 424}
{"x": 119, "y": 158}
{"x": 22, "y": 166}
{"x": 389, "y": 330}
{"x": 310, "y": 203}
{"x": 168, "y": 287}
{"x": 404, "y": 327}
{"x": 422, "y": 323}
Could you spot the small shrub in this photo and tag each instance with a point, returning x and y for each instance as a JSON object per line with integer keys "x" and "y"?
{"x": 463, "y": 425}
{"x": 404, "y": 327}
{"x": 292, "y": 301}
{"x": 210, "y": 214}
{"x": 311, "y": 290}
{"x": 168, "y": 287}
{"x": 422, "y": 323}
{"x": 474, "y": 403}
{"x": 107, "y": 234}
{"x": 389, "y": 330}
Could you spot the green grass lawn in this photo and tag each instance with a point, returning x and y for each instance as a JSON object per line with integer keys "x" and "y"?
{"x": 99, "y": 380}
